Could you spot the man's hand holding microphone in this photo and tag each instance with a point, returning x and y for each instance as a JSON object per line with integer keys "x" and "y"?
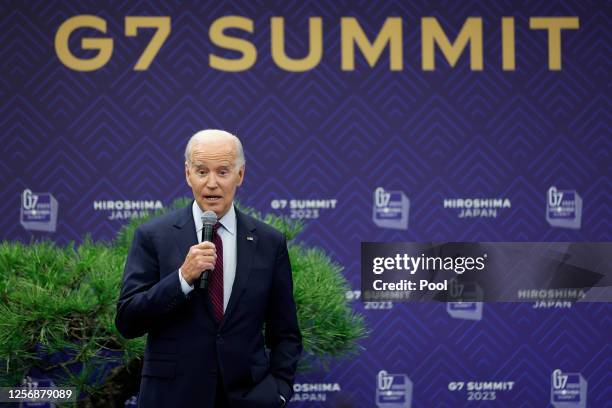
{"x": 200, "y": 258}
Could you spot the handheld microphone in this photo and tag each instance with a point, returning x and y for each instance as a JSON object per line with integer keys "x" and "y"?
{"x": 209, "y": 219}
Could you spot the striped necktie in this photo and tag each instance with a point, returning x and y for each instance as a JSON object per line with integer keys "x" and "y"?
{"x": 215, "y": 288}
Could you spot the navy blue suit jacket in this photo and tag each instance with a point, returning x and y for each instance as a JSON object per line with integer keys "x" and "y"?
{"x": 185, "y": 346}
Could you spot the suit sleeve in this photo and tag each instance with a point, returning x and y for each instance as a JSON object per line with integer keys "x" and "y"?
{"x": 283, "y": 335}
{"x": 145, "y": 299}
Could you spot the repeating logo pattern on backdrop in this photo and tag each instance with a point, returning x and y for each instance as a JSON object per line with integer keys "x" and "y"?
{"x": 393, "y": 390}
{"x": 314, "y": 392}
{"x": 38, "y": 211}
{"x": 477, "y": 207}
{"x": 568, "y": 390}
{"x": 122, "y": 210}
{"x": 563, "y": 208}
{"x": 391, "y": 209}
{"x": 301, "y": 209}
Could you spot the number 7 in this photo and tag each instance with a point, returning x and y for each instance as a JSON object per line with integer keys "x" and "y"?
{"x": 162, "y": 26}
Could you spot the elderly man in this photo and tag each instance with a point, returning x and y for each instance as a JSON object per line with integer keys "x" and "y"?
{"x": 206, "y": 347}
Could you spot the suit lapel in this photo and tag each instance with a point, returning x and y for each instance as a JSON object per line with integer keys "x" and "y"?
{"x": 246, "y": 244}
{"x": 184, "y": 231}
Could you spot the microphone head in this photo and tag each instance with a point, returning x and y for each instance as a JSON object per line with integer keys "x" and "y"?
{"x": 209, "y": 218}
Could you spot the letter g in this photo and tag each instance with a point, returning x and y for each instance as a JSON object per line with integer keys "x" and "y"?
{"x": 104, "y": 46}
{"x": 378, "y": 269}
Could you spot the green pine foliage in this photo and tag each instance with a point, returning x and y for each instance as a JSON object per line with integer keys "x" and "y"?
{"x": 62, "y": 300}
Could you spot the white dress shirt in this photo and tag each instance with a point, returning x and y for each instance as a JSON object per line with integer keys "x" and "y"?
{"x": 228, "y": 233}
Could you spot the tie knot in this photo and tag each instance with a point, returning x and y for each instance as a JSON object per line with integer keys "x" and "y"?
{"x": 216, "y": 226}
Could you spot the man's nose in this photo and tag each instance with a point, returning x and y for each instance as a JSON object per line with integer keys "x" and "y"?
{"x": 211, "y": 181}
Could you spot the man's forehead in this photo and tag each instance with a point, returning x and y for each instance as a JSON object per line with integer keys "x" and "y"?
{"x": 215, "y": 143}
{"x": 214, "y": 146}
{"x": 204, "y": 163}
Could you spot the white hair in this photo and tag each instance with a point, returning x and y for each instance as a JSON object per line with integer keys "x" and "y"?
{"x": 217, "y": 134}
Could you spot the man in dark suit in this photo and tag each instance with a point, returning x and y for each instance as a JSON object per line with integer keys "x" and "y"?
{"x": 207, "y": 347}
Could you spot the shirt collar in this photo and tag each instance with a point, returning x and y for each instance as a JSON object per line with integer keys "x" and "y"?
{"x": 228, "y": 221}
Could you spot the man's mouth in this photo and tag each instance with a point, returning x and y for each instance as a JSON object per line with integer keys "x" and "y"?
{"x": 212, "y": 198}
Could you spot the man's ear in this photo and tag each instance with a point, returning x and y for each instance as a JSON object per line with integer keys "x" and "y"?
{"x": 240, "y": 175}
{"x": 187, "y": 174}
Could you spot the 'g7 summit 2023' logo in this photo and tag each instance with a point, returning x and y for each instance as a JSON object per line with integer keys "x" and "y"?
{"x": 390, "y": 209}
{"x": 563, "y": 208}
{"x": 568, "y": 390}
{"x": 38, "y": 211}
{"x": 393, "y": 390}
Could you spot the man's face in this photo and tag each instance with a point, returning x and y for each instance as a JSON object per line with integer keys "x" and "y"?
{"x": 213, "y": 176}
